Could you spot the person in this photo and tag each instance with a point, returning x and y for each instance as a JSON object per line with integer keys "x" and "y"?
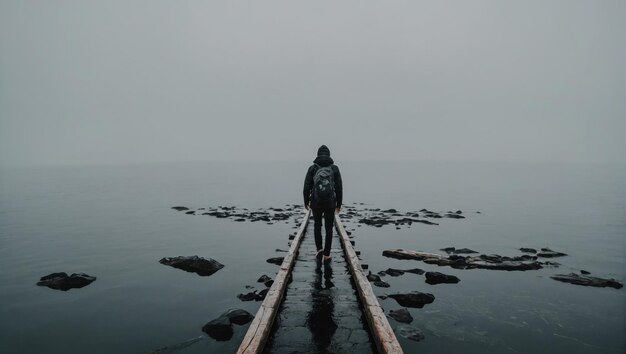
{"x": 323, "y": 193}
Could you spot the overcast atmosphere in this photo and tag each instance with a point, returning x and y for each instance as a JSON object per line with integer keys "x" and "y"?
{"x": 103, "y": 82}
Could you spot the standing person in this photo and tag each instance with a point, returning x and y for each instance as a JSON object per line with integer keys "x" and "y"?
{"x": 323, "y": 193}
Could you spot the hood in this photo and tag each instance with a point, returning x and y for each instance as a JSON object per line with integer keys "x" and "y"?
{"x": 323, "y": 151}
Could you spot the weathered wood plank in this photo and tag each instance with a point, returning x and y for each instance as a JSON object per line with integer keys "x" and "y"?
{"x": 381, "y": 331}
{"x": 259, "y": 330}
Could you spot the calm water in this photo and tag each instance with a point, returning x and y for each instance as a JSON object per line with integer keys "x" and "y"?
{"x": 115, "y": 222}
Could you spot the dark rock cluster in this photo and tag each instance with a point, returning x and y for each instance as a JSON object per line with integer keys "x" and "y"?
{"x": 363, "y": 216}
{"x": 194, "y": 264}
{"x": 483, "y": 261}
{"x": 269, "y": 215}
{"x": 586, "y": 280}
{"x": 62, "y": 281}
{"x": 221, "y": 328}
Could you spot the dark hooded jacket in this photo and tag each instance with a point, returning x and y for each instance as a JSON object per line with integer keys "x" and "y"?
{"x": 323, "y": 159}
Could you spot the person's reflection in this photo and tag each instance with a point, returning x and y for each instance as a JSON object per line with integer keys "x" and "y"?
{"x": 320, "y": 320}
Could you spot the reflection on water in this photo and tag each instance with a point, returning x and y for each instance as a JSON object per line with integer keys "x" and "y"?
{"x": 320, "y": 319}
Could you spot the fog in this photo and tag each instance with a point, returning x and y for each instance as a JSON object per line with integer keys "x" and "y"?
{"x": 102, "y": 82}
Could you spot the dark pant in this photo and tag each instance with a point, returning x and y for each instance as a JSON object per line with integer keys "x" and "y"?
{"x": 329, "y": 222}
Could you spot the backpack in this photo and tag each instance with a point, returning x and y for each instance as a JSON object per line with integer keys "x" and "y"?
{"x": 324, "y": 184}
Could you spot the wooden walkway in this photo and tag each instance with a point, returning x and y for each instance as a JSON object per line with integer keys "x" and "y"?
{"x": 314, "y": 307}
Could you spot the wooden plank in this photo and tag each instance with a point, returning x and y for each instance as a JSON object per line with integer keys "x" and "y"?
{"x": 381, "y": 331}
{"x": 259, "y": 330}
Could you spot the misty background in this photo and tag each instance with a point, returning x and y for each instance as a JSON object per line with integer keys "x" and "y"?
{"x": 104, "y": 82}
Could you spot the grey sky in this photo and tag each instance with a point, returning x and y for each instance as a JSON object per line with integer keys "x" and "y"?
{"x": 142, "y": 81}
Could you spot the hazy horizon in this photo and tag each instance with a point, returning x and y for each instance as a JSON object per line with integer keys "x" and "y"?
{"x": 111, "y": 82}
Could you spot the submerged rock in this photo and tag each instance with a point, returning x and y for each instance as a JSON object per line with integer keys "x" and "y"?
{"x": 438, "y": 278}
{"x": 62, "y": 281}
{"x": 180, "y": 208}
{"x": 238, "y": 316}
{"x": 528, "y": 250}
{"x": 413, "y": 299}
{"x": 263, "y": 278}
{"x": 401, "y": 315}
{"x": 411, "y": 333}
{"x": 276, "y": 260}
{"x": 193, "y": 264}
{"x": 221, "y": 328}
{"x": 248, "y": 297}
{"x": 548, "y": 253}
{"x": 373, "y": 277}
{"x": 494, "y": 262}
{"x": 587, "y": 280}
{"x": 261, "y": 295}
{"x": 452, "y": 250}
{"x": 394, "y": 272}
{"x": 381, "y": 284}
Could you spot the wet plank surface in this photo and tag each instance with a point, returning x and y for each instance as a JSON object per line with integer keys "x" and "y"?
{"x": 320, "y": 312}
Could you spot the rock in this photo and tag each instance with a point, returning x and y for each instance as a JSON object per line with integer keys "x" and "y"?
{"x": 261, "y": 295}
{"x": 494, "y": 262}
{"x": 528, "y": 250}
{"x": 194, "y": 264}
{"x": 238, "y": 316}
{"x": 248, "y": 297}
{"x": 383, "y": 297}
{"x": 464, "y": 251}
{"x": 279, "y": 250}
{"x": 390, "y": 211}
{"x": 269, "y": 283}
{"x": 219, "y": 329}
{"x": 586, "y": 280}
{"x": 276, "y": 260}
{"x": 452, "y": 250}
{"x": 413, "y": 299}
{"x": 394, "y": 272}
{"x": 381, "y": 284}
{"x": 454, "y": 216}
{"x": 191, "y": 212}
{"x": 411, "y": 333}
{"x": 582, "y": 271}
{"x": 61, "y": 281}
{"x": 263, "y": 279}
{"x": 401, "y": 315}
{"x": 459, "y": 212}
{"x": 180, "y": 208}
{"x": 438, "y": 278}
{"x": 373, "y": 277}
{"x": 548, "y": 253}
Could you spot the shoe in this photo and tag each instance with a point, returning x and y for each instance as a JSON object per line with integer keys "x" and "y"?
{"x": 319, "y": 254}
{"x": 327, "y": 259}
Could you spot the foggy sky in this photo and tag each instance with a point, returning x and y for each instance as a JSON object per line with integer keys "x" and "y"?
{"x": 98, "y": 82}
